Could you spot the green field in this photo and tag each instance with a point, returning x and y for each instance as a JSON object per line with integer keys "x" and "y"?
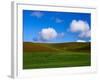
{"x": 47, "y": 55}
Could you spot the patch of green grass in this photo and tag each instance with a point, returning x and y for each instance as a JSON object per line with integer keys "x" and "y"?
{"x": 32, "y": 60}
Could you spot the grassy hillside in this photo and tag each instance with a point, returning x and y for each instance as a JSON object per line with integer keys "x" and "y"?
{"x": 29, "y": 46}
{"x": 47, "y": 55}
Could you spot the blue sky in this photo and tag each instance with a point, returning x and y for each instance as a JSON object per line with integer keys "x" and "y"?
{"x": 48, "y": 26}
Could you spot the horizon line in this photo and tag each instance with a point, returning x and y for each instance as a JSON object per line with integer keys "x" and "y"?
{"x": 56, "y": 42}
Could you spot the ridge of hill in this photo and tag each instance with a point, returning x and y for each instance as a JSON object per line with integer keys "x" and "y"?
{"x": 71, "y": 46}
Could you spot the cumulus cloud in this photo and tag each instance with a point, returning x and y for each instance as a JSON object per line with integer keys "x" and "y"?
{"x": 37, "y": 14}
{"x": 79, "y": 26}
{"x": 88, "y": 33}
{"x": 80, "y": 41}
{"x": 82, "y": 27}
{"x": 48, "y": 33}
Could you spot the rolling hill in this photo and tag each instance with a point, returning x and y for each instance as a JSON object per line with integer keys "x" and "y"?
{"x": 54, "y": 55}
{"x": 72, "y": 46}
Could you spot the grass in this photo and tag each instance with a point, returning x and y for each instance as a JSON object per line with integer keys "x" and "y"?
{"x": 53, "y": 59}
{"x": 54, "y": 55}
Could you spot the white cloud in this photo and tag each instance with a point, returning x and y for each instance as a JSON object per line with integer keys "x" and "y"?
{"x": 86, "y": 34}
{"x": 82, "y": 34}
{"x": 37, "y": 14}
{"x": 82, "y": 27}
{"x": 79, "y": 26}
{"x": 80, "y": 41}
{"x": 48, "y": 33}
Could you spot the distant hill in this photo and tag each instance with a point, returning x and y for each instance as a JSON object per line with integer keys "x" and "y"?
{"x": 70, "y": 46}
{"x": 29, "y": 47}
